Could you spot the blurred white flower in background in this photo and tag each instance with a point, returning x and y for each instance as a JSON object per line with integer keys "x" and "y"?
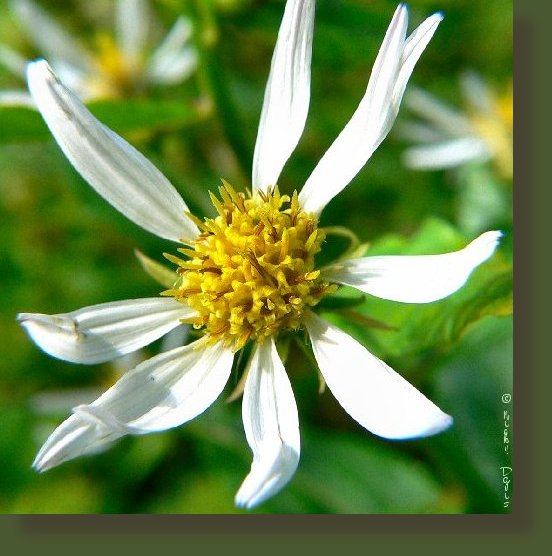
{"x": 121, "y": 64}
{"x": 53, "y": 403}
{"x": 445, "y": 137}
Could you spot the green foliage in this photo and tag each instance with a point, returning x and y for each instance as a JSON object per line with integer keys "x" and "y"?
{"x": 416, "y": 329}
{"x": 470, "y": 383}
{"x": 363, "y": 477}
{"x": 19, "y": 124}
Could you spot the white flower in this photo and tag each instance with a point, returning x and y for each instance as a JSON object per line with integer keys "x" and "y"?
{"x": 120, "y": 65}
{"x": 248, "y": 273}
{"x": 447, "y": 138}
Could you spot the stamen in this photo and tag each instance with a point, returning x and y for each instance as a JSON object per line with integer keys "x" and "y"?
{"x": 251, "y": 272}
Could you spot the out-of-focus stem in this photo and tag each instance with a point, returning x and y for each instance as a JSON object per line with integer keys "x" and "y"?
{"x": 213, "y": 84}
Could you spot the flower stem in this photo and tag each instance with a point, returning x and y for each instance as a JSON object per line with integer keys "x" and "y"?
{"x": 213, "y": 83}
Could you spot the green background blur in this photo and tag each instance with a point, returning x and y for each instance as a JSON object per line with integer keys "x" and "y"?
{"x": 62, "y": 247}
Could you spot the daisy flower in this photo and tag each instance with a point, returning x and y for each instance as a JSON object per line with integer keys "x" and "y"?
{"x": 120, "y": 65}
{"x": 246, "y": 274}
{"x": 444, "y": 137}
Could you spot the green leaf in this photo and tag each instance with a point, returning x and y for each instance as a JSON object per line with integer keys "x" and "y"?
{"x": 20, "y": 124}
{"x": 469, "y": 385}
{"x": 436, "y": 326}
{"x": 483, "y": 200}
{"x": 348, "y": 473}
{"x": 81, "y": 496}
{"x": 136, "y": 115}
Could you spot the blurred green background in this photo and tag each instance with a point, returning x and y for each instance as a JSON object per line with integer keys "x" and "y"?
{"x": 62, "y": 247}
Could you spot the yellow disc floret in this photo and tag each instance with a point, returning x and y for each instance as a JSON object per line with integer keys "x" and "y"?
{"x": 115, "y": 73}
{"x": 496, "y": 128}
{"x": 251, "y": 271}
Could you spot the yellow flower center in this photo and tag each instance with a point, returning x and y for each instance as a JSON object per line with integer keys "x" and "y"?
{"x": 115, "y": 73}
{"x": 496, "y": 130}
{"x": 251, "y": 271}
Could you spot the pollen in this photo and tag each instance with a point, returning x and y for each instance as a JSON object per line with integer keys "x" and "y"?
{"x": 115, "y": 73}
{"x": 251, "y": 272}
{"x": 496, "y": 128}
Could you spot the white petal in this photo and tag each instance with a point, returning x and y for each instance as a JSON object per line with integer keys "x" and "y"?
{"x": 75, "y": 79}
{"x": 432, "y": 109}
{"x": 287, "y": 94}
{"x": 161, "y": 393}
{"x": 375, "y": 114}
{"x": 271, "y": 426}
{"x": 132, "y": 27}
{"x": 103, "y": 332}
{"x": 173, "y": 60}
{"x": 51, "y": 38}
{"x": 75, "y": 437}
{"x": 446, "y": 154}
{"x": 13, "y": 61}
{"x": 16, "y": 98}
{"x": 116, "y": 170}
{"x": 477, "y": 94}
{"x": 363, "y": 133}
{"x": 419, "y": 132}
{"x": 418, "y": 278}
{"x": 414, "y": 46}
{"x": 170, "y": 71}
{"x": 369, "y": 390}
